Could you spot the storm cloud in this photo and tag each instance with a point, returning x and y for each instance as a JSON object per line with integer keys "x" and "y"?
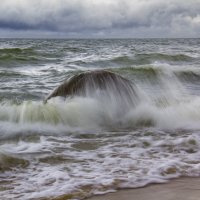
{"x": 100, "y": 18}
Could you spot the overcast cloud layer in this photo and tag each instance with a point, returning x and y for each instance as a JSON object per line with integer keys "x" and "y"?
{"x": 100, "y": 18}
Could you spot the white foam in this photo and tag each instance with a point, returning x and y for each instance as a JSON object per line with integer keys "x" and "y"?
{"x": 69, "y": 153}
{"x": 120, "y": 161}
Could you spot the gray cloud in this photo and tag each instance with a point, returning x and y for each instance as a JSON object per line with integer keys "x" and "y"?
{"x": 100, "y": 18}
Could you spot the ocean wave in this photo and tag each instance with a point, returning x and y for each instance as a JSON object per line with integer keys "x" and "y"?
{"x": 129, "y": 60}
{"x": 26, "y": 55}
{"x": 81, "y": 146}
{"x": 6, "y": 74}
{"x": 18, "y": 59}
{"x": 135, "y": 71}
{"x": 149, "y": 58}
{"x": 72, "y": 49}
{"x": 145, "y": 73}
{"x": 188, "y": 75}
{"x": 89, "y": 113}
{"x": 8, "y": 162}
{"x": 16, "y": 50}
{"x": 57, "y": 167}
{"x": 164, "y": 57}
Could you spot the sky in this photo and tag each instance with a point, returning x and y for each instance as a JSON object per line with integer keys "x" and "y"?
{"x": 100, "y": 18}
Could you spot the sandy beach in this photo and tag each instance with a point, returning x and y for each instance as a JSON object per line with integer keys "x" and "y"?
{"x": 177, "y": 189}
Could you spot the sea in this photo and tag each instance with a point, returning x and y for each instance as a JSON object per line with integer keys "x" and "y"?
{"x": 77, "y": 147}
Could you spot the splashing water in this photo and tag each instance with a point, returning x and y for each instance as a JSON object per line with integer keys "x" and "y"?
{"x": 96, "y": 143}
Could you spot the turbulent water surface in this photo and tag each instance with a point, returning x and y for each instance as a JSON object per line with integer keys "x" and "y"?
{"x": 76, "y": 147}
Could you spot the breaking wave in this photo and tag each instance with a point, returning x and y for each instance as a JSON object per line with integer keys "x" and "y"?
{"x": 171, "y": 108}
{"x": 80, "y": 146}
{"x": 144, "y": 59}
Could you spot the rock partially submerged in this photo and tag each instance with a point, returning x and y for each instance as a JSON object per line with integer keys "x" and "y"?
{"x": 91, "y": 83}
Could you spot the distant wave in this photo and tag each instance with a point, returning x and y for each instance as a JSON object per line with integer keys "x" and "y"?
{"x": 24, "y": 55}
{"x": 141, "y": 59}
{"x": 16, "y": 50}
{"x": 11, "y": 74}
{"x": 164, "y": 57}
{"x": 146, "y": 72}
{"x": 137, "y": 59}
{"x": 72, "y": 49}
{"x": 36, "y": 55}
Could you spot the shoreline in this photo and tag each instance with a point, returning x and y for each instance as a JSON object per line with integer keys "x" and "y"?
{"x": 175, "y": 189}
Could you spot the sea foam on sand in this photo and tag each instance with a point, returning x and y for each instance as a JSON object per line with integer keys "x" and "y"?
{"x": 178, "y": 189}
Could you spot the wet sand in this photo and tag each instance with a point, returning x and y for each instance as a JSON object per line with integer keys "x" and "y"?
{"x": 177, "y": 189}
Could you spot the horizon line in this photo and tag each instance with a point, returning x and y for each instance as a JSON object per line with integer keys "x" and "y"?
{"x": 96, "y": 38}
